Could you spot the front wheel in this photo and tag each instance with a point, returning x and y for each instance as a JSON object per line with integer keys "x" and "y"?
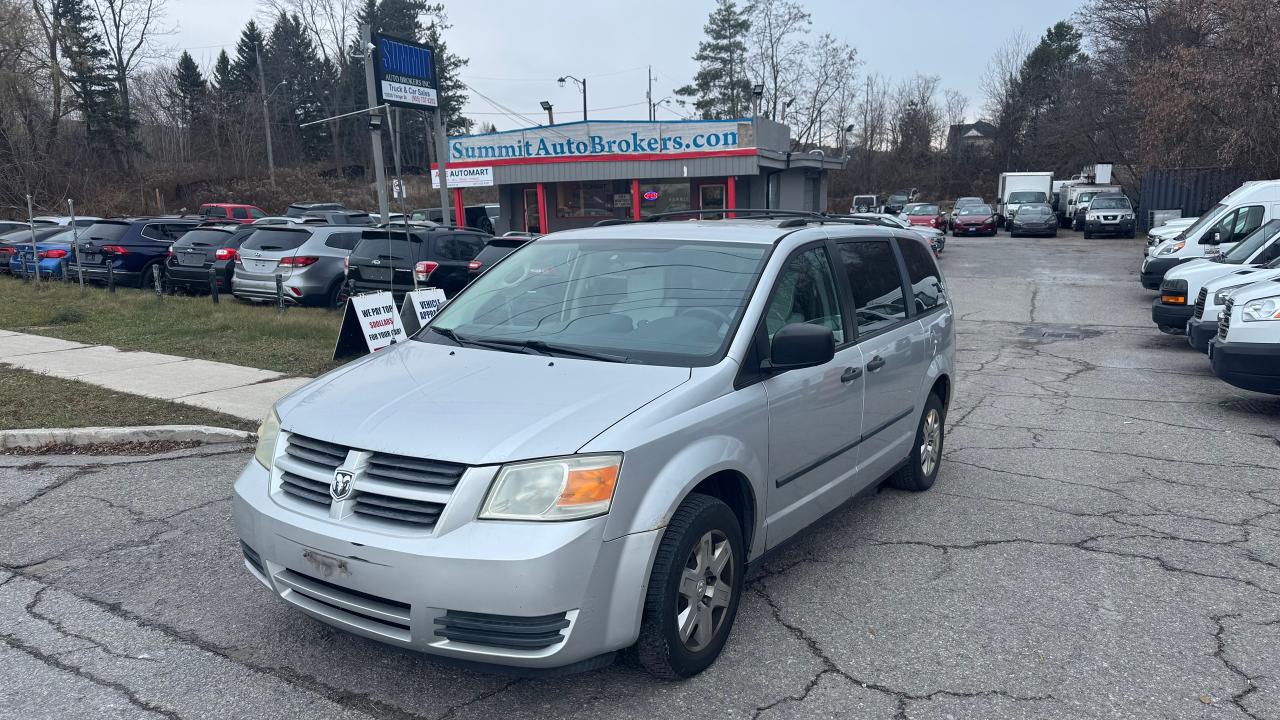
{"x": 694, "y": 590}
{"x": 926, "y": 454}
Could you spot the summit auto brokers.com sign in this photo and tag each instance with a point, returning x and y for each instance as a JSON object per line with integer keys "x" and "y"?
{"x": 584, "y": 140}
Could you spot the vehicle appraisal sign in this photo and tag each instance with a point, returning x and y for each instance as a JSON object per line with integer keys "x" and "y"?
{"x": 584, "y": 140}
{"x": 369, "y": 324}
{"x": 464, "y": 177}
{"x": 419, "y": 307}
{"x": 404, "y": 73}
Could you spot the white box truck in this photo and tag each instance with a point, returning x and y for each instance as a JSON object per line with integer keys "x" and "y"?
{"x": 1020, "y": 188}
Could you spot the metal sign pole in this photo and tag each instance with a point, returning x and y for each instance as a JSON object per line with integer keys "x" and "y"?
{"x": 437, "y": 128}
{"x": 31, "y": 224}
{"x": 375, "y": 121}
{"x": 75, "y": 244}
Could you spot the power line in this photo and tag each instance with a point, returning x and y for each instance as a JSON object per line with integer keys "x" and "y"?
{"x": 551, "y": 79}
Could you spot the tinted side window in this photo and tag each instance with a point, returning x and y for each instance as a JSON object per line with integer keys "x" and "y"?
{"x": 343, "y": 241}
{"x": 239, "y": 213}
{"x": 926, "y": 281}
{"x": 806, "y": 293}
{"x": 459, "y": 246}
{"x": 255, "y": 213}
{"x": 155, "y": 231}
{"x": 176, "y": 231}
{"x": 877, "y": 285}
{"x": 214, "y": 212}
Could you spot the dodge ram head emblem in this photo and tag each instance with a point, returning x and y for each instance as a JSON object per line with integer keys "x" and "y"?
{"x": 340, "y": 488}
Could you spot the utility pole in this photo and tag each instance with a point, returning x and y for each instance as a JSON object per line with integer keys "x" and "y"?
{"x": 266, "y": 119}
{"x": 375, "y": 123}
{"x": 648, "y": 96}
{"x": 437, "y": 127}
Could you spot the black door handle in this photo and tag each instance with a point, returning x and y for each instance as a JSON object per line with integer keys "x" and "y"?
{"x": 876, "y": 363}
{"x": 851, "y": 374}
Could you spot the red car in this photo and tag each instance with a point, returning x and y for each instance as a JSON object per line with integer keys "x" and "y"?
{"x": 926, "y": 214}
{"x": 974, "y": 220}
{"x": 231, "y": 212}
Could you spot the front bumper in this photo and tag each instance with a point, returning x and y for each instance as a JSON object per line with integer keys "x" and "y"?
{"x": 1200, "y": 332}
{"x": 1045, "y": 230}
{"x": 1171, "y": 318}
{"x": 1119, "y": 227}
{"x": 1154, "y": 269}
{"x": 1249, "y": 366}
{"x": 975, "y": 229}
{"x": 404, "y": 584}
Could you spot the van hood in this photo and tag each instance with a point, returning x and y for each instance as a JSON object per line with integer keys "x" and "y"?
{"x": 472, "y": 406}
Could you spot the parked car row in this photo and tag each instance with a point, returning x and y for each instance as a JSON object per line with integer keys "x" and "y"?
{"x": 1219, "y": 284}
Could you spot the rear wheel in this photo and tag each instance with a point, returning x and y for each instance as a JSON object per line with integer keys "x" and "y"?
{"x": 337, "y": 294}
{"x": 145, "y": 281}
{"x": 926, "y": 454}
{"x": 694, "y": 590}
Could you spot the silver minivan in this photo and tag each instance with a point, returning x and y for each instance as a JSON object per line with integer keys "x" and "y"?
{"x": 309, "y": 260}
{"x": 588, "y": 447}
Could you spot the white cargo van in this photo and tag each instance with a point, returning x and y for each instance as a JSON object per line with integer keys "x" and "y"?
{"x": 1203, "y": 325}
{"x": 1020, "y": 188}
{"x": 1180, "y": 292}
{"x": 1218, "y": 229}
{"x": 1246, "y": 351}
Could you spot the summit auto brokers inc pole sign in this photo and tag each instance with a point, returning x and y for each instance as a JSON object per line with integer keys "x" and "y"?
{"x": 584, "y": 140}
{"x": 405, "y": 73}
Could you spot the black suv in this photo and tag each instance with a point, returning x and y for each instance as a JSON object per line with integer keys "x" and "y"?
{"x": 130, "y": 247}
{"x": 387, "y": 259}
{"x": 215, "y": 247}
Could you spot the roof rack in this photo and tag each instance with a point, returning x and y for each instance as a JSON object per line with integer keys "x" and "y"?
{"x": 739, "y": 213}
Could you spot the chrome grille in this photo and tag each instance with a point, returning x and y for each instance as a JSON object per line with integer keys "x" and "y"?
{"x": 1224, "y": 322}
{"x": 1200, "y": 301}
{"x": 322, "y": 454}
{"x": 305, "y": 488}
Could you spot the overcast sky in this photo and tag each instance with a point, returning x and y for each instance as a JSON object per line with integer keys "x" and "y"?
{"x": 518, "y": 48}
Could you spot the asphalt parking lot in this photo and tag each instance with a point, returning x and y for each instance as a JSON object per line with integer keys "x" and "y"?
{"x": 1103, "y": 542}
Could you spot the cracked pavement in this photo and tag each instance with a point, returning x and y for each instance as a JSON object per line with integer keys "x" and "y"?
{"x": 1103, "y": 542}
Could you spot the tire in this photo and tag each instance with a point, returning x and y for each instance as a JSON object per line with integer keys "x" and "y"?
{"x": 699, "y": 523}
{"x": 335, "y": 296}
{"x": 144, "y": 280}
{"x": 926, "y": 453}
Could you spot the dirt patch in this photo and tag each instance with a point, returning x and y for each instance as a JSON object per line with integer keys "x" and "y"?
{"x": 151, "y": 447}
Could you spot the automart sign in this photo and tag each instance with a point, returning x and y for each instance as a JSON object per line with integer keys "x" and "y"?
{"x": 464, "y": 176}
{"x": 584, "y": 140}
{"x": 405, "y": 73}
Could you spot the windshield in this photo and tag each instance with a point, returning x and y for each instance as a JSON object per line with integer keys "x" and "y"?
{"x": 1027, "y": 196}
{"x": 1109, "y": 203}
{"x": 1209, "y": 216}
{"x": 660, "y": 302}
{"x": 983, "y": 210}
{"x": 1034, "y": 211}
{"x": 922, "y": 209}
{"x": 1252, "y": 243}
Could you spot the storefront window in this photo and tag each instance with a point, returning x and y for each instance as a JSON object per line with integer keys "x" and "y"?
{"x": 664, "y": 196}
{"x": 584, "y": 199}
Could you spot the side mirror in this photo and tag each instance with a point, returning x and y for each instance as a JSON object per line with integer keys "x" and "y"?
{"x": 800, "y": 345}
{"x": 1215, "y": 238}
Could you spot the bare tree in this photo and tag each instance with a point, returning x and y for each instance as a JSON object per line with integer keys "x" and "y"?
{"x": 778, "y": 29}
{"x": 827, "y": 74}
{"x": 130, "y": 29}
{"x": 1001, "y": 75}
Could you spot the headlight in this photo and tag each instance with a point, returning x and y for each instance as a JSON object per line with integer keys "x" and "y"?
{"x": 1267, "y": 308}
{"x": 268, "y": 433}
{"x": 1172, "y": 248}
{"x": 567, "y": 488}
{"x": 1220, "y": 297}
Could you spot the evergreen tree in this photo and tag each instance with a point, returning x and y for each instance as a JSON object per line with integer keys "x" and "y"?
{"x": 448, "y": 69}
{"x": 88, "y": 75}
{"x": 191, "y": 91}
{"x": 221, "y": 72}
{"x": 722, "y": 88}
{"x": 243, "y": 77}
{"x": 291, "y": 57}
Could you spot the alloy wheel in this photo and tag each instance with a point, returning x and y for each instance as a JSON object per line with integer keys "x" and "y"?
{"x": 706, "y": 587}
{"x": 930, "y": 442}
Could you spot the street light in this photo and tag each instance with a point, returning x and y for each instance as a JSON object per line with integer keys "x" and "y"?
{"x": 653, "y": 107}
{"x": 757, "y": 92}
{"x": 551, "y": 118}
{"x": 786, "y": 105}
{"x": 582, "y": 84}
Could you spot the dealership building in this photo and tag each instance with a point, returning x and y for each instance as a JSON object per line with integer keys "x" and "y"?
{"x": 572, "y": 175}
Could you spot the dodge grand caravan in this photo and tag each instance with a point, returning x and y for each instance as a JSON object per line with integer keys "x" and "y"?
{"x": 587, "y": 447}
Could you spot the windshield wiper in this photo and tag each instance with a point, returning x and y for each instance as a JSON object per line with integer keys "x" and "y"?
{"x": 449, "y": 333}
{"x": 547, "y": 348}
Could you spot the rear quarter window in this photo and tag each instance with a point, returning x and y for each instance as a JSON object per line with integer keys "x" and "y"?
{"x": 343, "y": 241}
{"x": 926, "y": 280}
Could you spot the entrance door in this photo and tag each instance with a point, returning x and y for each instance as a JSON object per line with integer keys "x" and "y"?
{"x": 711, "y": 197}
{"x": 532, "y": 213}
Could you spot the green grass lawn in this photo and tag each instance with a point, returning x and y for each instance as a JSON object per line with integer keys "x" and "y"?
{"x": 31, "y": 400}
{"x": 299, "y": 342}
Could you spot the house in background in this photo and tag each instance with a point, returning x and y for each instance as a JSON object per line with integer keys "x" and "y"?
{"x": 975, "y": 138}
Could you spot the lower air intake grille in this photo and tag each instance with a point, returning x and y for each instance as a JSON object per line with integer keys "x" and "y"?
{"x": 509, "y": 631}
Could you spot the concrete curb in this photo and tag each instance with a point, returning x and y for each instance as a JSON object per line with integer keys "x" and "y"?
{"x": 145, "y": 433}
